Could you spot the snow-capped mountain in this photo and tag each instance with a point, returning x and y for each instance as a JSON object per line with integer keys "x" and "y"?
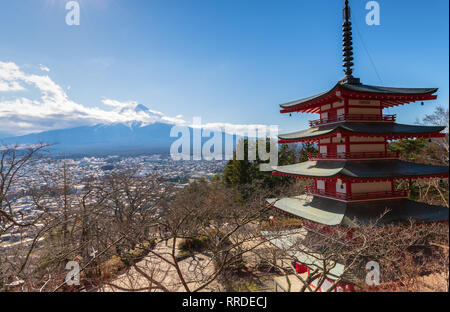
{"x": 147, "y": 135}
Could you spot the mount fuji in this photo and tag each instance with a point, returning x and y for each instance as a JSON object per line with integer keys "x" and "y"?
{"x": 149, "y": 135}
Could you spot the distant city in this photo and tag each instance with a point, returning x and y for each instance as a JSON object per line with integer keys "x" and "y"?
{"x": 177, "y": 173}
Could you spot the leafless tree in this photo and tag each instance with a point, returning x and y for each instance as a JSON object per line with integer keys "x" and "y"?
{"x": 205, "y": 213}
{"x": 131, "y": 232}
{"x": 406, "y": 253}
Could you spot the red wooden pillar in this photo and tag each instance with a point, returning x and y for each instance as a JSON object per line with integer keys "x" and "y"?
{"x": 347, "y": 144}
{"x": 346, "y": 108}
{"x": 348, "y": 188}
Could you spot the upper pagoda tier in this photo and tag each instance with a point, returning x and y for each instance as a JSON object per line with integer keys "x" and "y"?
{"x": 348, "y": 89}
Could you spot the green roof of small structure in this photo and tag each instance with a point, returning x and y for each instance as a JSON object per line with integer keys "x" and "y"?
{"x": 369, "y": 128}
{"x": 377, "y": 169}
{"x": 291, "y": 243}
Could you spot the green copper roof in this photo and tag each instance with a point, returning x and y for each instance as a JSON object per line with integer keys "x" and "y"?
{"x": 331, "y": 213}
{"x": 298, "y": 206}
{"x": 371, "y": 128}
{"x": 361, "y": 169}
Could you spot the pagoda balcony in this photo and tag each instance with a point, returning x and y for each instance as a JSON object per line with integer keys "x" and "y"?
{"x": 354, "y": 156}
{"x": 312, "y": 190}
{"x": 353, "y": 118}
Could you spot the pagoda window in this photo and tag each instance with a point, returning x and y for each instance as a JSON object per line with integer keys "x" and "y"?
{"x": 340, "y": 112}
{"x": 341, "y": 187}
{"x": 321, "y": 185}
{"x": 324, "y": 116}
{"x": 323, "y": 149}
{"x": 341, "y": 149}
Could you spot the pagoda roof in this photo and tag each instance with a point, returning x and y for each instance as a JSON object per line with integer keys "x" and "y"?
{"x": 376, "y": 170}
{"x": 390, "y": 130}
{"x": 388, "y": 90}
{"x": 389, "y": 96}
{"x": 332, "y": 213}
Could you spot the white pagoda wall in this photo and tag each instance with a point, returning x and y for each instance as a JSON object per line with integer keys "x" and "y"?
{"x": 356, "y": 148}
{"x": 363, "y": 103}
{"x": 364, "y": 107}
{"x": 384, "y": 186}
{"x": 338, "y": 104}
{"x": 364, "y": 111}
{"x": 366, "y": 139}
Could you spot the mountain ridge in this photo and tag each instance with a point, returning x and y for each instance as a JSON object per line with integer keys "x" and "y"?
{"x": 125, "y": 138}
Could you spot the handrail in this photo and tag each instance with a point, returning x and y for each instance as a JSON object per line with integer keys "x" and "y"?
{"x": 354, "y": 155}
{"x": 312, "y": 190}
{"x": 353, "y": 117}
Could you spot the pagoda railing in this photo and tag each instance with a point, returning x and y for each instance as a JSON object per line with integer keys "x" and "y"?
{"x": 354, "y": 118}
{"x": 312, "y": 190}
{"x": 354, "y": 156}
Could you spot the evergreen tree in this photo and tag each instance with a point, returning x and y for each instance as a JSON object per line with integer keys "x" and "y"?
{"x": 306, "y": 149}
{"x": 410, "y": 149}
{"x": 244, "y": 172}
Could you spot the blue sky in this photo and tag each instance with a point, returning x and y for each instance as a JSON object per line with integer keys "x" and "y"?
{"x": 228, "y": 61}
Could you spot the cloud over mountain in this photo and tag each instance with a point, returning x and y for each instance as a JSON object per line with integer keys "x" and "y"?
{"x": 23, "y": 113}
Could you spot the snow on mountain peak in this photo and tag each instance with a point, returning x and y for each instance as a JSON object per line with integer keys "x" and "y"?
{"x": 141, "y": 108}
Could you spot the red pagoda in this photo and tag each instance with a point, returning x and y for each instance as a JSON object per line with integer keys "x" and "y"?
{"x": 354, "y": 173}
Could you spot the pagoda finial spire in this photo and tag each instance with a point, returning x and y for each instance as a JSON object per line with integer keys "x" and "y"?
{"x": 348, "y": 45}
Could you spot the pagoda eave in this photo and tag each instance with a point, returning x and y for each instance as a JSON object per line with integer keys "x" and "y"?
{"x": 387, "y": 136}
{"x": 388, "y": 97}
{"x": 370, "y": 170}
{"x": 352, "y": 215}
{"x": 390, "y": 131}
{"x": 360, "y": 180}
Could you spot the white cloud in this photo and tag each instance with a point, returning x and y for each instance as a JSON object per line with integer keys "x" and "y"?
{"x": 8, "y": 79}
{"x": 54, "y": 109}
{"x": 6, "y": 86}
{"x": 44, "y": 68}
{"x": 117, "y": 104}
